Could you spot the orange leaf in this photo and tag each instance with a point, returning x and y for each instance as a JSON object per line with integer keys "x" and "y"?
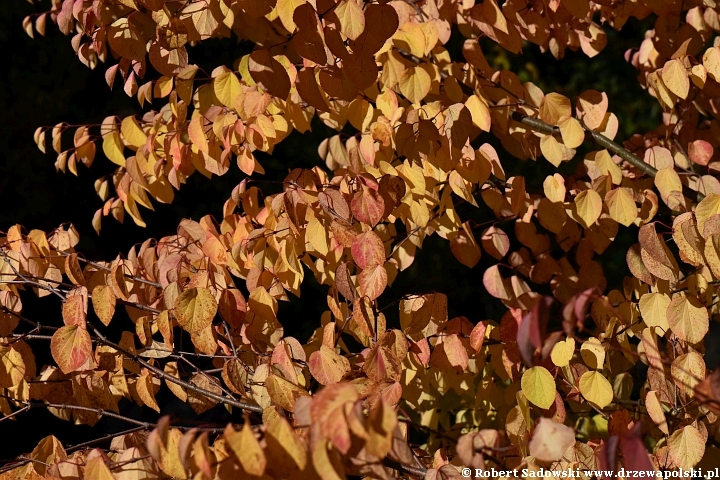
{"x": 70, "y": 347}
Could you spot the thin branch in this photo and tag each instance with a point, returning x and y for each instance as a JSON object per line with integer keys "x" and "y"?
{"x": 169, "y": 378}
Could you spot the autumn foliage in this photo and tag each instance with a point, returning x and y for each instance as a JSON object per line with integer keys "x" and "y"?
{"x": 580, "y": 372}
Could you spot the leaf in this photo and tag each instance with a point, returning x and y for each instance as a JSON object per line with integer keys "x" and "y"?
{"x": 464, "y": 247}
{"x": 197, "y": 134}
{"x": 368, "y": 250}
{"x": 687, "y": 318}
{"x": 327, "y": 366}
{"x": 269, "y": 74}
{"x": 655, "y": 411}
{"x": 563, "y": 352}
{"x": 125, "y": 40}
{"x": 226, "y": 87}
{"x": 372, "y": 281}
{"x": 74, "y": 310}
{"x": 675, "y": 78}
{"x": 164, "y": 444}
{"x": 551, "y": 440}
{"x": 554, "y": 188}
{"x": 635, "y": 455}
{"x": 199, "y": 402}
{"x": 352, "y": 18}
{"x": 283, "y": 393}
{"x": 103, "y": 300}
{"x": 687, "y": 370}
{"x": 596, "y": 389}
{"x": 113, "y": 148}
{"x": 700, "y": 152}
{"x": 686, "y": 447}
{"x": 97, "y": 469}
{"x": 414, "y": 84}
{"x": 572, "y": 132}
{"x": 667, "y": 181}
{"x": 480, "y": 112}
{"x": 531, "y": 332}
{"x": 653, "y": 308}
{"x": 708, "y": 207}
{"x": 247, "y": 449}
{"x": 593, "y": 353}
{"x": 70, "y": 347}
{"x": 284, "y": 449}
{"x": 554, "y": 108}
{"x": 589, "y": 206}
{"x": 591, "y": 107}
{"x": 195, "y": 309}
{"x": 539, "y": 387}
{"x": 621, "y": 206}
{"x": 368, "y": 206}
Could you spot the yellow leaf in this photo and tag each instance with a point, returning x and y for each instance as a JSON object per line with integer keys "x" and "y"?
{"x": 554, "y": 188}
{"x": 593, "y": 353}
{"x": 284, "y": 444}
{"x": 195, "y": 309}
{"x": 352, "y": 18}
{"x": 686, "y": 447}
{"x": 667, "y": 181}
{"x": 606, "y": 166}
{"x": 572, "y": 132}
{"x": 711, "y": 61}
{"x": 227, "y": 87}
{"x": 414, "y": 84}
{"x": 687, "y": 370}
{"x": 539, "y": 387}
{"x": 589, "y": 207}
{"x": 480, "y": 112}
{"x": 675, "y": 78}
{"x": 411, "y": 38}
{"x": 196, "y": 133}
{"x": 554, "y": 151}
{"x": 97, "y": 469}
{"x": 596, "y": 389}
{"x": 653, "y": 308}
{"x": 563, "y": 351}
{"x": 132, "y": 133}
{"x": 317, "y": 235}
{"x": 113, "y": 148}
{"x": 247, "y": 449}
{"x": 103, "y": 300}
{"x": 285, "y": 10}
{"x": 555, "y": 108}
{"x": 655, "y": 411}
{"x": 688, "y": 318}
{"x": 621, "y": 206}
{"x": 709, "y": 206}
{"x": 327, "y": 366}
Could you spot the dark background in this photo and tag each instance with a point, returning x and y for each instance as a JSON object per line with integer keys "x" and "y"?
{"x": 43, "y": 83}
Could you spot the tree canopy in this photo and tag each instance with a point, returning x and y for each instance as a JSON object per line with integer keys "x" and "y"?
{"x": 452, "y": 235}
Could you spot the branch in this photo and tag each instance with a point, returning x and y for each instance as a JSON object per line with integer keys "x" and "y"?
{"x": 419, "y": 472}
{"x": 169, "y": 378}
{"x": 605, "y": 142}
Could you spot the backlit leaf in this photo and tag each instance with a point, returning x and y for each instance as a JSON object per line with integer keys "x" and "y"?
{"x": 195, "y": 309}
{"x": 539, "y": 387}
{"x": 596, "y": 389}
{"x": 70, "y": 346}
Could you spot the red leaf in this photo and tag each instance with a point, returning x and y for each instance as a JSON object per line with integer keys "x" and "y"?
{"x": 700, "y": 152}
{"x": 368, "y": 250}
{"x": 531, "y": 333}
